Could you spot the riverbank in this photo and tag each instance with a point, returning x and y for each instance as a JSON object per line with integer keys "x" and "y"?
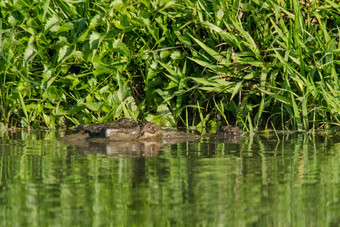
{"x": 175, "y": 63}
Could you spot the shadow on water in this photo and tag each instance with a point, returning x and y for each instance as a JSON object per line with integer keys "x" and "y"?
{"x": 259, "y": 180}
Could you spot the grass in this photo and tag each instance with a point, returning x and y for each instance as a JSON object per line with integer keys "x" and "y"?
{"x": 189, "y": 62}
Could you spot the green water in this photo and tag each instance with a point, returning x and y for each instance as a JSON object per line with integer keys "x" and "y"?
{"x": 259, "y": 181}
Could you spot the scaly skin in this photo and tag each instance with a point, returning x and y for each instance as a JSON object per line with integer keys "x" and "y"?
{"x": 124, "y": 130}
{"x": 129, "y": 130}
{"x": 228, "y": 131}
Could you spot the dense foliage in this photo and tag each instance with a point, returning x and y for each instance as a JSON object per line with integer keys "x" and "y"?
{"x": 255, "y": 63}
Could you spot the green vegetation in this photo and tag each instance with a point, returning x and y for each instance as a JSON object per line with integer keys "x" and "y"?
{"x": 258, "y": 64}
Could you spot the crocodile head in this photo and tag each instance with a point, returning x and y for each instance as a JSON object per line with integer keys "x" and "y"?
{"x": 229, "y": 131}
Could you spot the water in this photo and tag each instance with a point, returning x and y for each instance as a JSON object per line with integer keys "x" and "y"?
{"x": 259, "y": 181}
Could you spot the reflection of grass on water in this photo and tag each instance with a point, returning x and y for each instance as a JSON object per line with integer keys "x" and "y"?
{"x": 172, "y": 62}
{"x": 260, "y": 181}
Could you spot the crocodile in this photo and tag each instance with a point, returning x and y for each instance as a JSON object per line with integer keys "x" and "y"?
{"x": 127, "y": 135}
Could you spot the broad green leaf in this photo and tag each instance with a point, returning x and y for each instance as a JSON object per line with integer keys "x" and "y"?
{"x": 117, "y": 4}
{"x": 30, "y": 53}
{"x": 228, "y": 37}
{"x": 236, "y": 89}
{"x": 276, "y": 96}
{"x": 119, "y": 46}
{"x": 94, "y": 40}
{"x": 204, "y": 81}
{"x": 163, "y": 118}
{"x": 49, "y": 120}
{"x": 60, "y": 112}
{"x": 52, "y": 24}
{"x": 46, "y": 8}
{"x": 209, "y": 50}
{"x": 249, "y": 41}
{"x": 94, "y": 106}
{"x": 96, "y": 20}
{"x": 215, "y": 68}
{"x": 64, "y": 52}
{"x": 174, "y": 76}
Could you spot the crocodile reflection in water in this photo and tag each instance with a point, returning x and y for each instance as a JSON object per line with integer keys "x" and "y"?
{"x": 126, "y": 135}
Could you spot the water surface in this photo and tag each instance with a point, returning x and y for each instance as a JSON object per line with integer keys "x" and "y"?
{"x": 293, "y": 180}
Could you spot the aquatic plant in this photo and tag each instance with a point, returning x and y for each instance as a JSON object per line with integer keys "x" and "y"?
{"x": 188, "y": 62}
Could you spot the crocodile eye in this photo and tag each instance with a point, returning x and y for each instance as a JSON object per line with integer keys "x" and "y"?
{"x": 152, "y": 128}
